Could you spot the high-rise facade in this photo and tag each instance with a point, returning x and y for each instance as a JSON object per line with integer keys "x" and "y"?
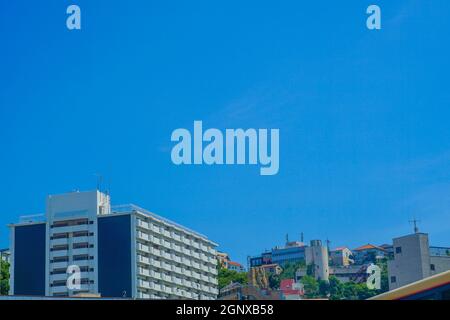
{"x": 122, "y": 251}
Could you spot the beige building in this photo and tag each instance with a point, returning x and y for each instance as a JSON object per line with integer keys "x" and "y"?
{"x": 341, "y": 256}
{"x": 222, "y": 257}
{"x": 413, "y": 260}
{"x": 317, "y": 255}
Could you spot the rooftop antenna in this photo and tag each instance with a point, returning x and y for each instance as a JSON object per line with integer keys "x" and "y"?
{"x": 301, "y": 237}
{"x": 99, "y": 181}
{"x": 287, "y": 238}
{"x": 415, "y": 221}
{"x": 107, "y": 186}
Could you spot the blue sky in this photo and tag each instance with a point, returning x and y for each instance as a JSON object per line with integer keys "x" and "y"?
{"x": 363, "y": 115}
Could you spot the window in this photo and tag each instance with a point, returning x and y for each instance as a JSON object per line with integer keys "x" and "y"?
{"x": 58, "y": 271}
{"x": 86, "y": 269}
{"x": 398, "y": 250}
{"x": 59, "y": 236}
{"x": 60, "y": 247}
{"x": 67, "y": 223}
{"x": 432, "y": 267}
{"x": 86, "y": 281}
{"x": 82, "y": 234}
{"x": 58, "y": 283}
{"x": 393, "y": 279}
{"x": 81, "y": 257}
{"x": 80, "y": 291}
{"x": 81, "y": 245}
{"x": 60, "y": 294}
{"x": 60, "y": 259}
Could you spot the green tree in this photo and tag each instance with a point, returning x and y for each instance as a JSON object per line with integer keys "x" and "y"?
{"x": 336, "y": 288}
{"x": 349, "y": 290}
{"x": 4, "y": 278}
{"x": 311, "y": 287}
{"x": 228, "y": 276}
{"x": 384, "y": 275}
{"x": 324, "y": 288}
{"x": 363, "y": 292}
{"x": 289, "y": 270}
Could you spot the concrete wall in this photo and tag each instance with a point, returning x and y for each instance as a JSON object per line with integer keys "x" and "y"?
{"x": 411, "y": 260}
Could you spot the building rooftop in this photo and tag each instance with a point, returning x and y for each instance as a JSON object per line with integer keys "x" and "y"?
{"x": 125, "y": 208}
{"x": 368, "y": 247}
{"x": 339, "y": 249}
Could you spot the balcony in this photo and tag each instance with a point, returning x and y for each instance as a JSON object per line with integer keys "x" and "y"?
{"x": 166, "y": 233}
{"x": 157, "y": 287}
{"x": 166, "y": 244}
{"x": 176, "y": 237}
{"x": 166, "y": 266}
{"x": 176, "y": 258}
{"x": 167, "y": 278}
{"x": 155, "y": 240}
{"x": 187, "y": 272}
{"x": 187, "y": 262}
{"x": 143, "y": 236}
{"x": 155, "y": 229}
{"x": 176, "y": 247}
{"x": 156, "y": 263}
{"x": 213, "y": 270}
{"x": 195, "y": 244}
{"x": 143, "y": 248}
{"x": 142, "y": 224}
{"x": 143, "y": 295}
{"x": 167, "y": 290}
{"x": 144, "y": 272}
{"x": 142, "y": 259}
{"x": 177, "y": 269}
{"x": 155, "y": 252}
{"x": 214, "y": 291}
{"x": 143, "y": 284}
{"x": 186, "y": 283}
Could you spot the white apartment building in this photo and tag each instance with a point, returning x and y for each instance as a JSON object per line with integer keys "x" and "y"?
{"x": 122, "y": 251}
